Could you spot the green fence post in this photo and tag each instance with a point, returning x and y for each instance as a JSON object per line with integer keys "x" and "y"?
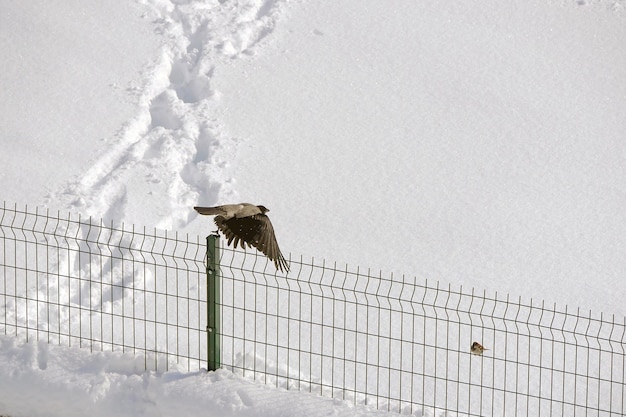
{"x": 213, "y": 301}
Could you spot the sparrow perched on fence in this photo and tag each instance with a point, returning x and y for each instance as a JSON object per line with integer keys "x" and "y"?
{"x": 477, "y": 348}
{"x": 246, "y": 223}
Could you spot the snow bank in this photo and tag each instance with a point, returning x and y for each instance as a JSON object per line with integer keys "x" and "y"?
{"x": 44, "y": 380}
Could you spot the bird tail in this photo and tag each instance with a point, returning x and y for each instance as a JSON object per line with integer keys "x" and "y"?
{"x": 209, "y": 211}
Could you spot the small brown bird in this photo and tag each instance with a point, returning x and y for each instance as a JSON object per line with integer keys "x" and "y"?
{"x": 477, "y": 348}
{"x": 246, "y": 223}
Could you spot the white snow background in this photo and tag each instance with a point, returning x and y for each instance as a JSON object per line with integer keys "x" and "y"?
{"x": 476, "y": 143}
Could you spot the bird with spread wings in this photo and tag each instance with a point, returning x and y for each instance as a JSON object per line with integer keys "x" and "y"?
{"x": 246, "y": 223}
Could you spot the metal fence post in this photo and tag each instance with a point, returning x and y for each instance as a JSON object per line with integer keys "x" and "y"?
{"x": 213, "y": 302}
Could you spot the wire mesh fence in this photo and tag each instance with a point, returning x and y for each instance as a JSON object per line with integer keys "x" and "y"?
{"x": 394, "y": 343}
{"x": 79, "y": 282}
{"x": 404, "y": 346}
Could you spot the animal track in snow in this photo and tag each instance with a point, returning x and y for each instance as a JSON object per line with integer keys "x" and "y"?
{"x": 173, "y": 152}
{"x": 190, "y": 87}
{"x": 162, "y": 111}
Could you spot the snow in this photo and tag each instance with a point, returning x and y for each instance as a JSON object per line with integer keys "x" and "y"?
{"x": 69, "y": 84}
{"x": 476, "y": 143}
{"x": 470, "y": 148}
{"x": 39, "y": 379}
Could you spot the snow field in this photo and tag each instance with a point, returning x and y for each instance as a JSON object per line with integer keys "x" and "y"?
{"x": 478, "y": 144}
{"x": 475, "y": 144}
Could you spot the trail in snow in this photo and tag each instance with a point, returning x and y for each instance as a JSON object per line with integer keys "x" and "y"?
{"x": 173, "y": 153}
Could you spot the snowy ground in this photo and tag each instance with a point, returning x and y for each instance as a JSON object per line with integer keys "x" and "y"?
{"x": 478, "y": 143}
{"x": 44, "y": 380}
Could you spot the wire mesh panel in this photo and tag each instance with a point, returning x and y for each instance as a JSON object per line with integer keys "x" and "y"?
{"x": 404, "y": 346}
{"x": 79, "y": 282}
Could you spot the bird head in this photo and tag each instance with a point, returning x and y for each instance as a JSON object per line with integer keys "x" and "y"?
{"x": 263, "y": 209}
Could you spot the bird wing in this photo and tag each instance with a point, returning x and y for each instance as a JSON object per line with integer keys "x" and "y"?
{"x": 230, "y": 210}
{"x": 257, "y": 231}
{"x": 210, "y": 211}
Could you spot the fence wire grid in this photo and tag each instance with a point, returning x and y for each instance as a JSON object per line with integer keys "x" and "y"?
{"x": 79, "y": 282}
{"x": 395, "y": 343}
{"x": 404, "y": 346}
